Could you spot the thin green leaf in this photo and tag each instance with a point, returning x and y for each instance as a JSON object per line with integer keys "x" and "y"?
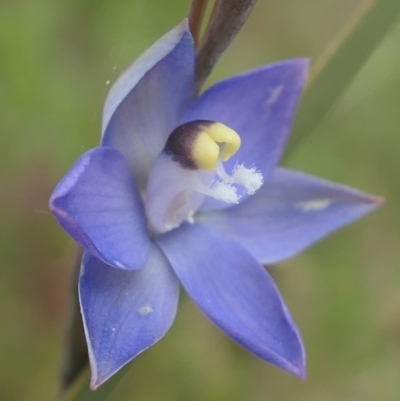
{"x": 332, "y": 74}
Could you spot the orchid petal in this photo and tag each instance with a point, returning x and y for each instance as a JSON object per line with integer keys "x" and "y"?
{"x": 260, "y": 106}
{"x": 98, "y": 204}
{"x": 125, "y": 312}
{"x": 289, "y": 213}
{"x": 236, "y": 293}
{"x": 147, "y": 101}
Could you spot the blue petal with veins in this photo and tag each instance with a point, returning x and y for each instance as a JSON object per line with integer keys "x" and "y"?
{"x": 215, "y": 248}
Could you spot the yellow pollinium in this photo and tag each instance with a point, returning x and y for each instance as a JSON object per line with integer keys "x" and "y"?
{"x": 216, "y": 141}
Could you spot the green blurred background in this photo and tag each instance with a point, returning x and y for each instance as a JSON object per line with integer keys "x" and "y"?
{"x": 56, "y": 58}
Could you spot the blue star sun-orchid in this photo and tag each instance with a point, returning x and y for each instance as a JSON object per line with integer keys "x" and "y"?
{"x": 187, "y": 189}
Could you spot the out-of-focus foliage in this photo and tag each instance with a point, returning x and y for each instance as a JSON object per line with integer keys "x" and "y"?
{"x": 56, "y": 61}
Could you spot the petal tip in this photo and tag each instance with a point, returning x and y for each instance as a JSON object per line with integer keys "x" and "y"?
{"x": 305, "y": 63}
{"x": 185, "y": 24}
{"x": 94, "y": 385}
{"x": 130, "y": 265}
{"x": 129, "y": 79}
{"x": 297, "y": 369}
{"x": 303, "y": 66}
{"x": 96, "y": 381}
{"x": 378, "y": 201}
{"x": 302, "y": 373}
{"x": 299, "y": 66}
{"x": 52, "y": 203}
{"x": 372, "y": 202}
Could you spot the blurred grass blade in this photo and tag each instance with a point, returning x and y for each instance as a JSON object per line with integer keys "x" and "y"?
{"x": 334, "y": 71}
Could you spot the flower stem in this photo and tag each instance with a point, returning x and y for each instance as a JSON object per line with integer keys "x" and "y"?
{"x": 196, "y": 16}
{"x": 75, "y": 357}
{"x": 227, "y": 19}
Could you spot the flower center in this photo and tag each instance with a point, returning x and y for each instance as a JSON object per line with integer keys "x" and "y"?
{"x": 190, "y": 168}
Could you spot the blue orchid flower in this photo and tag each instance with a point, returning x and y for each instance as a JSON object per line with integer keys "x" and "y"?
{"x": 187, "y": 189}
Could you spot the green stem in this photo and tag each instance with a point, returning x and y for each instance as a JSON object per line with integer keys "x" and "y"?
{"x": 196, "y": 16}
{"x": 227, "y": 19}
{"x": 75, "y": 358}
